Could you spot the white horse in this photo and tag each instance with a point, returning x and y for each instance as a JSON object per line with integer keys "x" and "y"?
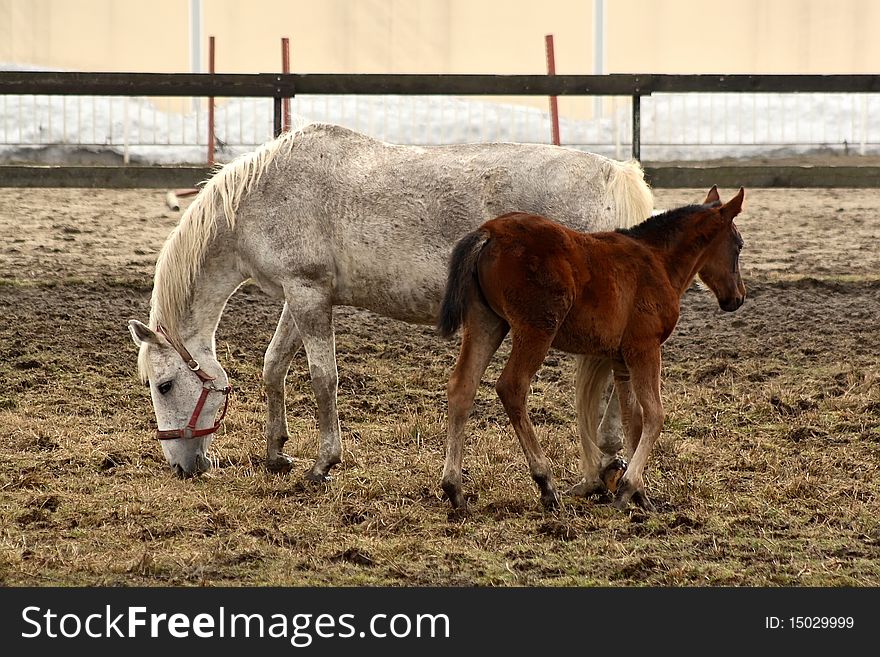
{"x": 325, "y": 216}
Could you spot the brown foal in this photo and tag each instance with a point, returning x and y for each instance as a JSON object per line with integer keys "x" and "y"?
{"x": 613, "y": 295}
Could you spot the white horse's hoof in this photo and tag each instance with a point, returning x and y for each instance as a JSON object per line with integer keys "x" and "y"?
{"x": 281, "y": 463}
{"x": 584, "y": 489}
{"x": 612, "y": 474}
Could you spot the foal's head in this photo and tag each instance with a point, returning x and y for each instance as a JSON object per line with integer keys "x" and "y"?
{"x": 720, "y": 270}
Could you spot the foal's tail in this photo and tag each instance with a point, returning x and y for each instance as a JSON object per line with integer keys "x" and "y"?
{"x": 627, "y": 194}
{"x": 461, "y": 282}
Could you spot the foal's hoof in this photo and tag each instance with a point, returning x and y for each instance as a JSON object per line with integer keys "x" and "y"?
{"x": 281, "y": 464}
{"x": 642, "y": 500}
{"x": 612, "y": 474}
{"x": 625, "y": 494}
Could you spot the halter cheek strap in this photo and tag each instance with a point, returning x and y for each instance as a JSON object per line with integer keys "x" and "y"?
{"x": 191, "y": 362}
{"x": 190, "y": 431}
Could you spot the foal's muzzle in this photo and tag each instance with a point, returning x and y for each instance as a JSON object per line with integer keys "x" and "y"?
{"x": 729, "y": 305}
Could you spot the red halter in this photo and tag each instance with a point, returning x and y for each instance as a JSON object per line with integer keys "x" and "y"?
{"x": 190, "y": 431}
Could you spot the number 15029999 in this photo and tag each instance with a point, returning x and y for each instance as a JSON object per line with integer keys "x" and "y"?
{"x": 809, "y": 622}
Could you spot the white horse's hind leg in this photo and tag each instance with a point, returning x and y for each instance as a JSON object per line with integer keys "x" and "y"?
{"x": 285, "y": 343}
{"x": 600, "y": 465}
{"x": 313, "y": 312}
{"x": 611, "y": 427}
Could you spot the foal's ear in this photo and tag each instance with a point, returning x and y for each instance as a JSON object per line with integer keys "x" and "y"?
{"x": 734, "y": 206}
{"x": 712, "y": 196}
{"x": 141, "y": 333}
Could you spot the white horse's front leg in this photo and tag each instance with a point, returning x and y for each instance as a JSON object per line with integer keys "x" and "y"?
{"x": 285, "y": 343}
{"x": 312, "y": 310}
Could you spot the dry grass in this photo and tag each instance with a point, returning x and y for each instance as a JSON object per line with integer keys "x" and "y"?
{"x": 766, "y": 473}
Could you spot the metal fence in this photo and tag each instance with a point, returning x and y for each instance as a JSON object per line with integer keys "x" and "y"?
{"x": 655, "y": 117}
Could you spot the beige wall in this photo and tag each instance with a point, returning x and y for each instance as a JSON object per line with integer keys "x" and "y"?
{"x": 94, "y": 35}
{"x": 448, "y": 36}
{"x": 746, "y": 36}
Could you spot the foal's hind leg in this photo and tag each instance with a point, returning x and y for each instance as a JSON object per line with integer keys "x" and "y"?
{"x": 285, "y": 343}
{"x": 481, "y": 336}
{"x": 313, "y": 312}
{"x": 631, "y": 413}
{"x": 528, "y": 351}
{"x": 645, "y": 428}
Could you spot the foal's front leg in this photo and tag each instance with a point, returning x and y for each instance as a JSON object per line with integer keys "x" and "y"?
{"x": 643, "y": 428}
{"x": 630, "y": 411}
{"x": 528, "y": 351}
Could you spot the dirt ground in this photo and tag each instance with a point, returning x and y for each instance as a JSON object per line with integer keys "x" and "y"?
{"x": 766, "y": 473}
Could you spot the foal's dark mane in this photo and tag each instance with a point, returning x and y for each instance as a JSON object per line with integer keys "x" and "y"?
{"x": 664, "y": 227}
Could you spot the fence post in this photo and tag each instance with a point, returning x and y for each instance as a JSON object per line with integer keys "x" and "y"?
{"x": 285, "y": 68}
{"x": 276, "y": 117}
{"x": 554, "y": 107}
{"x": 863, "y": 125}
{"x": 637, "y": 127}
{"x": 211, "y": 139}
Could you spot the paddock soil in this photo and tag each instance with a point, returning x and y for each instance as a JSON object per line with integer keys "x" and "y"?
{"x": 766, "y": 472}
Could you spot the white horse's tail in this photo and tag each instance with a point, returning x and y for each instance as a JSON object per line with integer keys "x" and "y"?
{"x": 631, "y": 201}
{"x": 591, "y": 380}
{"x": 628, "y": 195}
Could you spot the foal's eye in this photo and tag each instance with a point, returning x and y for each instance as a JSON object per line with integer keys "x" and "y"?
{"x": 163, "y": 388}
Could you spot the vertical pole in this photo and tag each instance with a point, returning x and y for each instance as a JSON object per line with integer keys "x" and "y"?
{"x": 598, "y": 50}
{"x": 126, "y": 126}
{"x": 554, "y": 107}
{"x": 276, "y": 117}
{"x": 637, "y": 128}
{"x": 285, "y": 68}
{"x": 211, "y": 104}
{"x": 616, "y": 127}
{"x": 863, "y": 125}
{"x": 195, "y": 42}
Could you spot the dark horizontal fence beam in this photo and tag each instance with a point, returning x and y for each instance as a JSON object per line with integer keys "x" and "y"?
{"x": 658, "y": 175}
{"x": 287, "y": 85}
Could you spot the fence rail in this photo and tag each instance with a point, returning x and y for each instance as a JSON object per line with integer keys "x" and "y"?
{"x": 279, "y": 86}
{"x": 285, "y": 85}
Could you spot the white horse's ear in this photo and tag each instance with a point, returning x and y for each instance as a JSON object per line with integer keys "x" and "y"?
{"x": 141, "y": 333}
{"x": 712, "y": 196}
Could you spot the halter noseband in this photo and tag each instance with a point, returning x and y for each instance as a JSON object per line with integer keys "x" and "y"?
{"x": 190, "y": 431}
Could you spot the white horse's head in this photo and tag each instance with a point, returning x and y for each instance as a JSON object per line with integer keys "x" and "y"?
{"x": 188, "y": 390}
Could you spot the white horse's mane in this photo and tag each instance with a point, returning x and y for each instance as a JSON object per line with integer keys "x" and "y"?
{"x": 181, "y": 257}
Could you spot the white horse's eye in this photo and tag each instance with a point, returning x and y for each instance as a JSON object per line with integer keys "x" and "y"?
{"x": 163, "y": 388}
